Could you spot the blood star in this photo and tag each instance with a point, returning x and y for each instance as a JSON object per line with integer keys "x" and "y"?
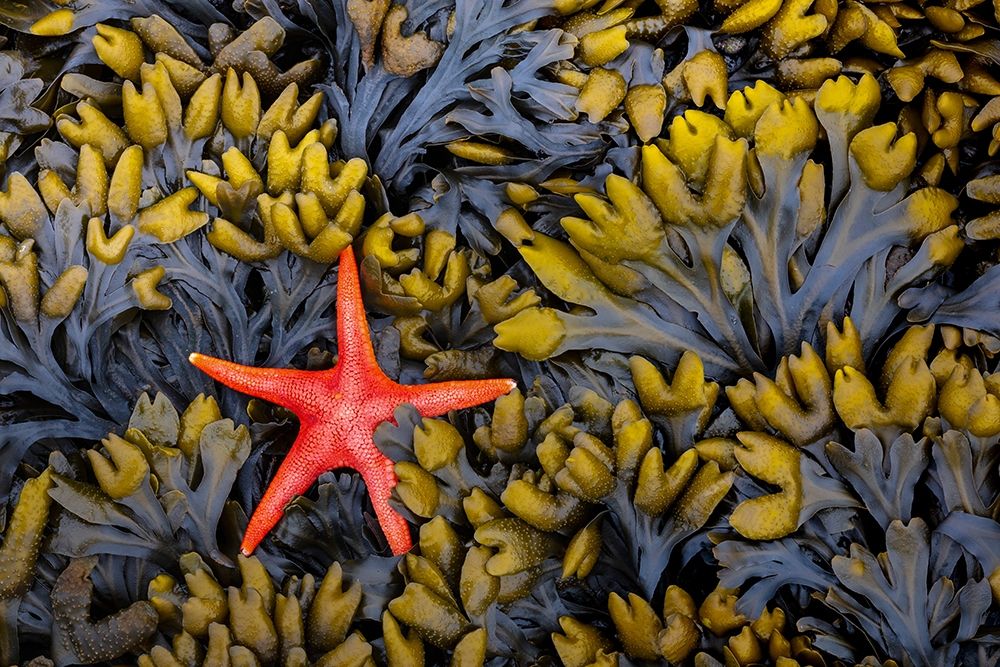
{"x": 339, "y": 410}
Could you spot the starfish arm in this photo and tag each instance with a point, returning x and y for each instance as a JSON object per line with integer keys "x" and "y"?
{"x": 294, "y": 477}
{"x": 380, "y": 483}
{"x": 438, "y": 398}
{"x": 354, "y": 343}
{"x": 289, "y": 388}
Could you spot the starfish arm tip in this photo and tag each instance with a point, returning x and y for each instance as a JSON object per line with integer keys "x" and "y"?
{"x": 194, "y": 357}
{"x": 245, "y": 552}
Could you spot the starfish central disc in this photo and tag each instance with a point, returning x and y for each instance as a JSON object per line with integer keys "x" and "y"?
{"x": 338, "y": 411}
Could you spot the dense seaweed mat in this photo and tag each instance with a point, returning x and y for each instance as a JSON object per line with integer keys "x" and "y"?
{"x": 740, "y": 257}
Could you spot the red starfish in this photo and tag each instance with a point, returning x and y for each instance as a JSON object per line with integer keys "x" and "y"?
{"x": 338, "y": 411}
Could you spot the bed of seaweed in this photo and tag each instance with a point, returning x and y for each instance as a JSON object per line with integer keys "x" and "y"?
{"x": 739, "y": 255}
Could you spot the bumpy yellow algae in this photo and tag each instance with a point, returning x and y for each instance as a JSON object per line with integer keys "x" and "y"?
{"x": 332, "y": 190}
{"x": 633, "y": 435}
{"x": 645, "y": 106}
{"x": 542, "y": 508}
{"x": 950, "y": 125}
{"x": 186, "y": 78}
{"x": 367, "y": 17}
{"x": 378, "y": 241}
{"x": 412, "y": 343}
{"x": 909, "y": 398}
{"x": 251, "y": 623}
{"x": 201, "y": 412}
{"x": 144, "y": 119}
{"x": 968, "y": 400}
{"x": 657, "y": 488}
{"x": 203, "y": 109}
{"x": 167, "y": 95}
{"x": 240, "y": 108}
{"x": 704, "y": 493}
{"x": 807, "y": 73}
{"x": 578, "y": 643}
{"x": 602, "y": 46}
{"x": 786, "y": 129}
{"x": 745, "y": 648}
{"x": 680, "y": 634}
{"x": 144, "y": 285}
{"x": 855, "y": 21}
{"x": 125, "y": 187}
{"x": 332, "y": 610}
{"x": 400, "y": 649}
{"x": 333, "y": 235}
{"x": 583, "y": 551}
{"x": 843, "y": 347}
{"x": 884, "y": 160}
{"x": 417, "y": 489}
{"x": 718, "y": 614}
{"x": 62, "y": 296}
{"x": 519, "y": 546}
{"x": 749, "y": 15}
{"x": 91, "y": 187}
{"x": 544, "y": 322}
{"x": 636, "y": 624}
{"x": 288, "y": 116}
{"x": 509, "y": 428}
{"x": 93, "y": 128}
{"x": 284, "y": 162}
{"x": 723, "y": 184}
{"x": 207, "y": 602}
{"x": 678, "y": 601}
{"x": 440, "y": 543}
{"x": 745, "y": 107}
{"x": 908, "y": 79}
{"x": 19, "y": 278}
{"x": 584, "y": 23}
{"x": 436, "y": 620}
{"x": 797, "y": 403}
{"x": 110, "y": 250}
{"x": 23, "y": 537}
{"x": 705, "y": 77}
{"x": 678, "y": 639}
{"x": 436, "y": 444}
{"x": 687, "y": 395}
{"x": 601, "y": 94}
{"x": 124, "y": 473}
{"x": 57, "y": 22}
{"x": 791, "y": 27}
{"x": 478, "y": 588}
{"x": 172, "y": 218}
{"x": 587, "y": 472}
{"x": 630, "y": 216}
{"x": 21, "y": 209}
{"x": 471, "y": 651}
{"x": 776, "y": 462}
{"x": 480, "y": 152}
{"x": 480, "y": 508}
{"x": 162, "y": 37}
{"x": 688, "y": 145}
{"x": 720, "y": 450}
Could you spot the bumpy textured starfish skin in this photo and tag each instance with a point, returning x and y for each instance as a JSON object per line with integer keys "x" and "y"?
{"x": 339, "y": 410}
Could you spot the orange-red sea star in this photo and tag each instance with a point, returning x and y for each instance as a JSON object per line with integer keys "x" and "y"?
{"x": 338, "y": 411}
